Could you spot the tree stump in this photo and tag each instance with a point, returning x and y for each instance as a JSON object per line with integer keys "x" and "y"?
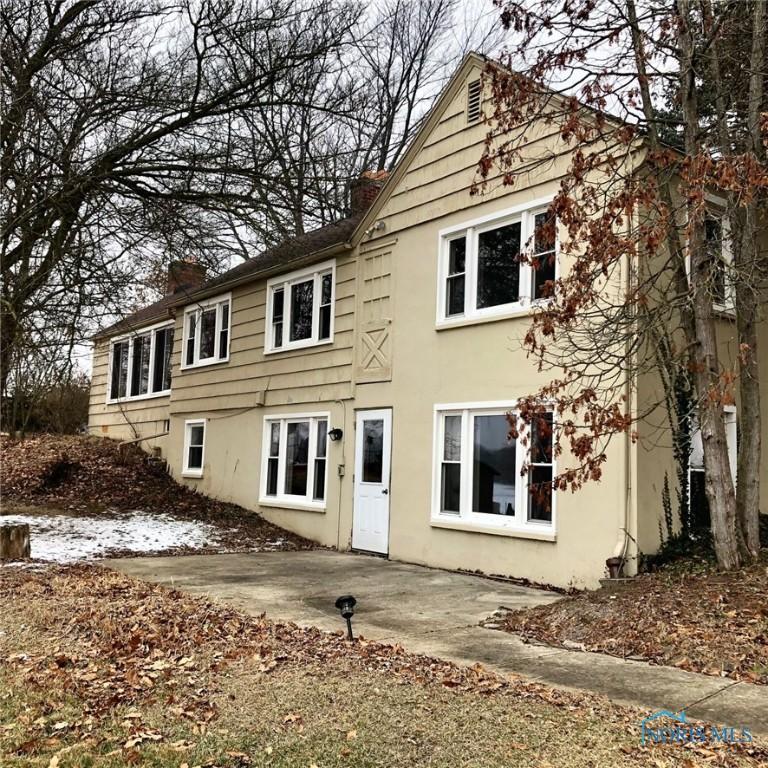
{"x": 14, "y": 542}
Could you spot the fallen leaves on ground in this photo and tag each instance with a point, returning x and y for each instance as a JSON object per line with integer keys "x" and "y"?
{"x": 122, "y": 647}
{"x": 78, "y": 474}
{"x": 710, "y": 622}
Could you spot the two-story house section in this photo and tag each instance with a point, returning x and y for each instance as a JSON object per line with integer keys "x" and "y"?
{"x": 353, "y": 384}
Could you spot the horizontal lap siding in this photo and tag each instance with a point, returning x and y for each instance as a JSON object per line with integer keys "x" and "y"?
{"x": 250, "y": 378}
{"x": 146, "y": 417}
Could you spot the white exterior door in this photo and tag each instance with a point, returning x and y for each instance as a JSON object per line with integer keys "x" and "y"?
{"x": 373, "y": 452}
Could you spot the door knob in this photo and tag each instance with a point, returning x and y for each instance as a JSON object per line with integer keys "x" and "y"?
{"x": 385, "y": 491}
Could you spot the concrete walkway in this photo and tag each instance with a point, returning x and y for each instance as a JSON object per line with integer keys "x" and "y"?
{"x": 436, "y": 613}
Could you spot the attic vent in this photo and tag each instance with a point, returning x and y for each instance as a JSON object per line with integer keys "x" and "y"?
{"x": 473, "y": 101}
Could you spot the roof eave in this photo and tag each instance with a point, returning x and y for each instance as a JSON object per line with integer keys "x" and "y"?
{"x": 275, "y": 269}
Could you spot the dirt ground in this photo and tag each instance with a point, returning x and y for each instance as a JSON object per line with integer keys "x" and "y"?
{"x": 694, "y": 618}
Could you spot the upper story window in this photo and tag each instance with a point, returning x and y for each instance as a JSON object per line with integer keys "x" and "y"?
{"x": 300, "y": 308}
{"x": 140, "y": 364}
{"x": 206, "y": 332}
{"x": 478, "y": 473}
{"x": 482, "y": 274}
{"x": 718, "y": 248}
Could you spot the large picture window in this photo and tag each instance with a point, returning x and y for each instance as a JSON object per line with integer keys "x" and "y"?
{"x": 294, "y": 467}
{"x": 300, "y": 308}
{"x": 483, "y": 273}
{"x": 479, "y": 477}
{"x": 140, "y": 365}
{"x": 206, "y": 332}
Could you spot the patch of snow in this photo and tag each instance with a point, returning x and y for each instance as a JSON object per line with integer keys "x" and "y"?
{"x": 71, "y": 539}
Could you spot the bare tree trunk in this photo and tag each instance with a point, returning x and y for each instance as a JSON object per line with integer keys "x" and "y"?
{"x": 749, "y": 273}
{"x": 717, "y": 470}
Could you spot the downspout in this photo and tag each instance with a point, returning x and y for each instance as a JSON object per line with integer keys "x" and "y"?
{"x": 624, "y": 535}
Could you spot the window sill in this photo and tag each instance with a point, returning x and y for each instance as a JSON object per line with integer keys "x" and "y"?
{"x": 495, "y": 530}
{"x": 204, "y": 363}
{"x": 296, "y": 505}
{"x": 136, "y": 398}
{"x": 192, "y": 473}
{"x": 724, "y": 312}
{"x": 294, "y": 346}
{"x": 459, "y": 322}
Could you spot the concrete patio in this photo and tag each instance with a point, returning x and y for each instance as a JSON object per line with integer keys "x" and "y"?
{"x": 437, "y": 613}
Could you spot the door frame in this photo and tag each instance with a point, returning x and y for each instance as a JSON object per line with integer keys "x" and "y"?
{"x": 385, "y": 414}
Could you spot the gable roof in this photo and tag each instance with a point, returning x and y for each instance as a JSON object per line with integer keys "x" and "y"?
{"x": 470, "y": 60}
{"x": 296, "y": 251}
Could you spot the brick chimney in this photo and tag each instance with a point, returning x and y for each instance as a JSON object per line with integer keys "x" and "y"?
{"x": 184, "y": 276}
{"x": 363, "y": 191}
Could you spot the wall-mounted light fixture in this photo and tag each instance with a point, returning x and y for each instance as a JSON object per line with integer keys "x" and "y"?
{"x": 335, "y": 434}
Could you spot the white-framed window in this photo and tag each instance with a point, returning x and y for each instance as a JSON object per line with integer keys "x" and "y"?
{"x": 294, "y": 465}
{"x": 300, "y": 308}
{"x": 481, "y": 273}
{"x": 478, "y": 469}
{"x": 697, "y": 498}
{"x": 718, "y": 244}
{"x": 140, "y": 364}
{"x": 194, "y": 448}
{"x": 206, "y": 332}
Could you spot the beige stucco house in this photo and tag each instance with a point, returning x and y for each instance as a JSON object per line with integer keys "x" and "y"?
{"x": 352, "y": 384}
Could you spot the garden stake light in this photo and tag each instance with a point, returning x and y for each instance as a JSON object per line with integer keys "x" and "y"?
{"x": 346, "y": 605}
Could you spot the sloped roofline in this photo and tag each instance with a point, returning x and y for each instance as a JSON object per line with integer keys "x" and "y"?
{"x": 470, "y": 60}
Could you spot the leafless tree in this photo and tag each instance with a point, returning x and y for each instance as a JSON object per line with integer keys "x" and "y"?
{"x": 121, "y": 122}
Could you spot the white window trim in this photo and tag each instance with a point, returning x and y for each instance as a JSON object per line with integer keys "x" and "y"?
{"x": 188, "y": 471}
{"x": 729, "y": 307}
{"x": 197, "y": 308}
{"x": 286, "y": 281}
{"x": 727, "y": 310}
{"x": 525, "y": 214}
{"x": 129, "y": 337}
{"x": 466, "y": 519}
{"x": 282, "y": 499}
{"x": 729, "y": 418}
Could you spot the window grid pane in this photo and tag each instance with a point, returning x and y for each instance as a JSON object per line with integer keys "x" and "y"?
{"x": 494, "y": 466}
{"x": 224, "y": 332}
{"x": 278, "y": 303}
{"x": 296, "y": 459}
{"x": 301, "y": 310}
{"x": 373, "y": 450}
{"x": 544, "y": 256}
{"x": 207, "y": 333}
{"x": 498, "y": 266}
{"x": 456, "y": 282}
{"x": 191, "y": 333}
{"x": 319, "y": 489}
{"x": 541, "y": 472}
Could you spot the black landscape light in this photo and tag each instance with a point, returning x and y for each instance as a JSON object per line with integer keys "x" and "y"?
{"x": 346, "y": 605}
{"x": 335, "y": 434}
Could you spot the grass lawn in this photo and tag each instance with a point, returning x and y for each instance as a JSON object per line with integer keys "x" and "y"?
{"x": 688, "y": 615}
{"x": 100, "y": 670}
